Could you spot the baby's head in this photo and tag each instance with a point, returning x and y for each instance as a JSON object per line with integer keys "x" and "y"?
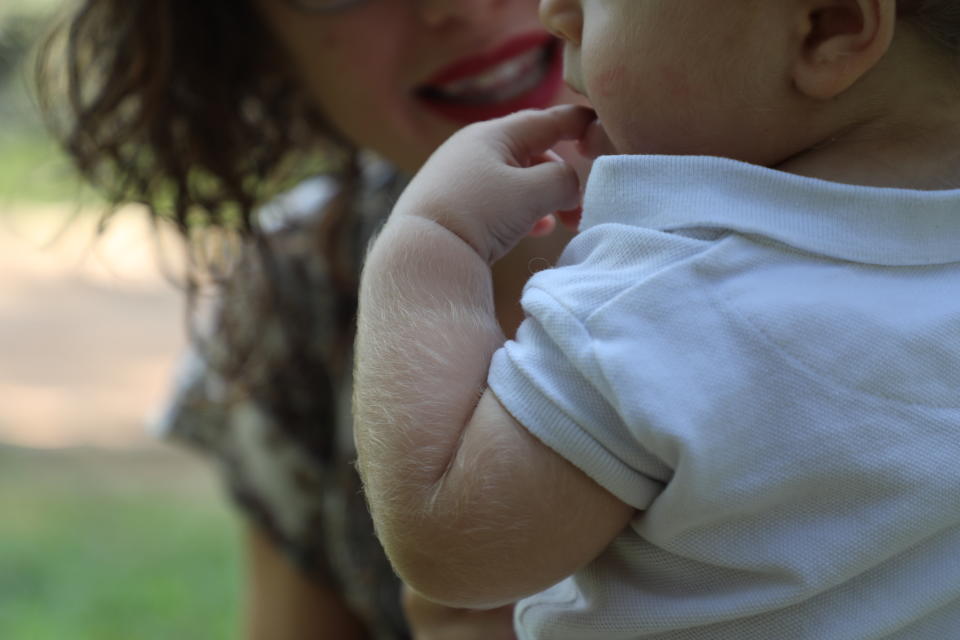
{"x": 755, "y": 80}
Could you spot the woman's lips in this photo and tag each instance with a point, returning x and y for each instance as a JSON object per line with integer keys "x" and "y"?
{"x": 476, "y": 65}
{"x": 525, "y": 73}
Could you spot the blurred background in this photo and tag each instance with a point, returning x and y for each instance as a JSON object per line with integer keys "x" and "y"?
{"x": 104, "y": 533}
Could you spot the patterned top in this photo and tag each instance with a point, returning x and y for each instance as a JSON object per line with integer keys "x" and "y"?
{"x": 280, "y": 433}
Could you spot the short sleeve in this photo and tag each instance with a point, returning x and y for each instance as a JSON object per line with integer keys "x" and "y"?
{"x": 554, "y": 377}
{"x": 549, "y": 381}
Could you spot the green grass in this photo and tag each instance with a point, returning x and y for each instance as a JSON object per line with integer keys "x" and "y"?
{"x": 105, "y": 546}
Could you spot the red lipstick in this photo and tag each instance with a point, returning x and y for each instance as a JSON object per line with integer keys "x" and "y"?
{"x": 540, "y": 95}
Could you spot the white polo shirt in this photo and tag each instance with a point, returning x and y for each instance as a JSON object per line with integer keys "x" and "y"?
{"x": 767, "y": 367}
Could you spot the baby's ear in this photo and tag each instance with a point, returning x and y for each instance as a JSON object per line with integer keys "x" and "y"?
{"x": 840, "y": 41}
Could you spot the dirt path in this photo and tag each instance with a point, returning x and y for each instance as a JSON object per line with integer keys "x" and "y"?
{"x": 89, "y": 331}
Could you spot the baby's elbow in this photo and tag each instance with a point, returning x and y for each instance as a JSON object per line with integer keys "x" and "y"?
{"x": 427, "y": 547}
{"x": 444, "y": 581}
{"x": 453, "y": 568}
{"x": 459, "y": 552}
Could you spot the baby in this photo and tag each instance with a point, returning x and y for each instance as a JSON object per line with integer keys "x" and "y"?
{"x": 733, "y": 408}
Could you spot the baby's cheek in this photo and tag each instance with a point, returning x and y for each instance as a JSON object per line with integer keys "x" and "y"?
{"x": 608, "y": 83}
{"x": 607, "y": 94}
{"x": 673, "y": 83}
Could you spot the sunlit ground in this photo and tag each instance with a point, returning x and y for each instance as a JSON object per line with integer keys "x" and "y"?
{"x": 89, "y": 328}
{"x": 103, "y": 532}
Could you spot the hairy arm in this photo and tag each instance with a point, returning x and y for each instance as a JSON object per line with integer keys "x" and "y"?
{"x": 472, "y": 510}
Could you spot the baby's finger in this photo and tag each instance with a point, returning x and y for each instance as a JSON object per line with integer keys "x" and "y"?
{"x": 570, "y": 219}
{"x": 556, "y": 185}
{"x": 547, "y": 156}
{"x": 595, "y": 142}
{"x": 529, "y": 134}
{"x": 543, "y": 227}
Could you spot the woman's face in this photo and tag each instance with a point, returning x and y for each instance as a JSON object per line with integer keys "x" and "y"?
{"x": 400, "y": 76}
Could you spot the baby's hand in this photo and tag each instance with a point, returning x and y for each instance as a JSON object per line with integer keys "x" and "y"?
{"x": 595, "y": 142}
{"x": 491, "y": 182}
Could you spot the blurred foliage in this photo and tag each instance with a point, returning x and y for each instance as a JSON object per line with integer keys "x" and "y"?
{"x": 17, "y": 34}
{"x": 21, "y": 21}
{"x": 111, "y": 546}
{"x": 32, "y": 168}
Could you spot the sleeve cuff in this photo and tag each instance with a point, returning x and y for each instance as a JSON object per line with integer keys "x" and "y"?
{"x": 563, "y": 424}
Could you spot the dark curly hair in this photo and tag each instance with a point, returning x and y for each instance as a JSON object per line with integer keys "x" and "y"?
{"x": 182, "y": 103}
{"x": 190, "y": 109}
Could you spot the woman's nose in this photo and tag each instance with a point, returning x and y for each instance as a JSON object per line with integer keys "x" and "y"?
{"x": 563, "y": 18}
{"x": 437, "y": 12}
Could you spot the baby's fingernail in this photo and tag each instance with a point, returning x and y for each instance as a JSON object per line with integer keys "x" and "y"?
{"x": 542, "y": 227}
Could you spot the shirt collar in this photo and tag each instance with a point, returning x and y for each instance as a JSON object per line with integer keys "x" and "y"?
{"x": 874, "y": 225}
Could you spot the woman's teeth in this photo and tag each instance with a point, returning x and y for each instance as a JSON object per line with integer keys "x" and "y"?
{"x": 505, "y": 81}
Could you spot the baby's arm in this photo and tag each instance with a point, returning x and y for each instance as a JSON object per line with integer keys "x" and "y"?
{"x": 472, "y": 510}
